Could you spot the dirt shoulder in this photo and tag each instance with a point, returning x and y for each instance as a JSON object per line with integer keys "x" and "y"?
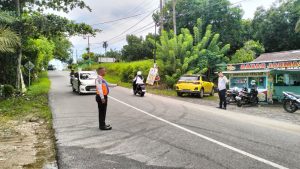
{"x": 26, "y": 133}
{"x": 272, "y": 111}
{"x": 26, "y": 145}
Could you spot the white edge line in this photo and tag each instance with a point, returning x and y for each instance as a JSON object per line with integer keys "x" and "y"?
{"x": 206, "y": 138}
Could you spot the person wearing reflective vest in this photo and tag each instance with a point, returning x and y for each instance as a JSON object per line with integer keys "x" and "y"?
{"x": 102, "y": 90}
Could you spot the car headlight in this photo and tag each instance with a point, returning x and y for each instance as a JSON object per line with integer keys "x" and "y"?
{"x": 83, "y": 83}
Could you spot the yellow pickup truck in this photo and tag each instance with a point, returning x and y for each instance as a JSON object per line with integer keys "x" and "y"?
{"x": 194, "y": 85}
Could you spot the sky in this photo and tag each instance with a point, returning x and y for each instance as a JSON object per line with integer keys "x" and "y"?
{"x": 115, "y": 32}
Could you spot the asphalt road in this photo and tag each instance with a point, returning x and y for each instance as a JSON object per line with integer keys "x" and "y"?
{"x": 161, "y": 132}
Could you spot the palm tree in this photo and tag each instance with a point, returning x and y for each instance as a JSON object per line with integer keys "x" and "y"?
{"x": 9, "y": 40}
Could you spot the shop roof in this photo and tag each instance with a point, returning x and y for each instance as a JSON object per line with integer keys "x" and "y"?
{"x": 279, "y": 56}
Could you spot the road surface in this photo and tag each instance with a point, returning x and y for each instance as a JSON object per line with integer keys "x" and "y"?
{"x": 160, "y": 132}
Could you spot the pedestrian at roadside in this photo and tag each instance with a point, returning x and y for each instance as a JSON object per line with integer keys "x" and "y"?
{"x": 102, "y": 88}
{"x": 222, "y": 81}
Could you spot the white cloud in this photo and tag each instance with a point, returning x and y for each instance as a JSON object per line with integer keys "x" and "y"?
{"x": 114, "y": 9}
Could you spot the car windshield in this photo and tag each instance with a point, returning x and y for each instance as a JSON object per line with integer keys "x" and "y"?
{"x": 189, "y": 78}
{"x": 87, "y": 76}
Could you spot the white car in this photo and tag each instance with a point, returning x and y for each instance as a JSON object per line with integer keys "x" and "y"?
{"x": 84, "y": 82}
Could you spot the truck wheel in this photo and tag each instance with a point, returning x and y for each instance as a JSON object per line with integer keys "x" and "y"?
{"x": 212, "y": 93}
{"x": 201, "y": 94}
{"x": 179, "y": 94}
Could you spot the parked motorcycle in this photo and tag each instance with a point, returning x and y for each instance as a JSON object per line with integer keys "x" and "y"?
{"x": 231, "y": 95}
{"x": 246, "y": 97}
{"x": 291, "y": 102}
{"x": 140, "y": 90}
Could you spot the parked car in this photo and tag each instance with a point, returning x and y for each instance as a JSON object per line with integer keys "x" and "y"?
{"x": 51, "y": 67}
{"x": 84, "y": 82}
{"x": 194, "y": 85}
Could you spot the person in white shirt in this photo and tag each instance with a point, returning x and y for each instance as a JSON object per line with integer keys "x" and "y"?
{"x": 102, "y": 88}
{"x": 138, "y": 79}
{"x": 222, "y": 82}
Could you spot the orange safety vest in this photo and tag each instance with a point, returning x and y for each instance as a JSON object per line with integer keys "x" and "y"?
{"x": 104, "y": 88}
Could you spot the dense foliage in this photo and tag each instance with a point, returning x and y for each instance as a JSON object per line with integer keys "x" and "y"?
{"x": 137, "y": 48}
{"x": 275, "y": 27}
{"x": 248, "y": 53}
{"x": 196, "y": 53}
{"x": 29, "y": 34}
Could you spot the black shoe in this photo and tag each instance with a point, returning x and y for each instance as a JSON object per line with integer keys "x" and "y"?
{"x": 219, "y": 107}
{"x": 105, "y": 128}
{"x": 224, "y": 108}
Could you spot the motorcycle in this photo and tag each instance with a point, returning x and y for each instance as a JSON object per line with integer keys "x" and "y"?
{"x": 246, "y": 97}
{"x": 140, "y": 89}
{"x": 231, "y": 95}
{"x": 291, "y": 102}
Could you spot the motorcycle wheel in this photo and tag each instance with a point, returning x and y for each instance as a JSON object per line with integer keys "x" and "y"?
{"x": 228, "y": 100}
{"x": 142, "y": 94}
{"x": 239, "y": 103}
{"x": 289, "y": 107}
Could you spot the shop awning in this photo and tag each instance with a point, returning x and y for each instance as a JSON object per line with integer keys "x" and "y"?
{"x": 246, "y": 71}
{"x": 289, "y": 71}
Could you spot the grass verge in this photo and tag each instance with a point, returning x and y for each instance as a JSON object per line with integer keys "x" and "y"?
{"x": 33, "y": 103}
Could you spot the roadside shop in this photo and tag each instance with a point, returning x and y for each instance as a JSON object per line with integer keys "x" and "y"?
{"x": 273, "y": 73}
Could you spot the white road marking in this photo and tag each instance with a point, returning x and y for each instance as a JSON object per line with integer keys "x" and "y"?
{"x": 206, "y": 138}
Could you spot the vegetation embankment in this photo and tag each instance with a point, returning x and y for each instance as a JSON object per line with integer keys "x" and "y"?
{"x": 26, "y": 129}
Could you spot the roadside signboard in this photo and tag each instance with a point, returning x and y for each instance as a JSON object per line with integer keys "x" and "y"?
{"x": 29, "y": 65}
{"x": 151, "y": 76}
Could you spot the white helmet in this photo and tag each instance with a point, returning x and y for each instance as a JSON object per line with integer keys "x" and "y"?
{"x": 139, "y": 73}
{"x": 253, "y": 82}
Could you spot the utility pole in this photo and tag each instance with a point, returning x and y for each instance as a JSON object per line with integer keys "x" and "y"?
{"x": 174, "y": 17}
{"x": 88, "y": 38}
{"x": 76, "y": 57}
{"x": 161, "y": 18}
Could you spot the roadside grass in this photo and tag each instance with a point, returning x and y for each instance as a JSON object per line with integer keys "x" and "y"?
{"x": 34, "y": 103}
{"x": 119, "y": 72}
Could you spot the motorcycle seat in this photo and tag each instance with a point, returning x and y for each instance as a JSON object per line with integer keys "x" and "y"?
{"x": 295, "y": 95}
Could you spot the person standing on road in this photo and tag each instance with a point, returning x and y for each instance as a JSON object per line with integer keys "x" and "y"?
{"x": 102, "y": 88}
{"x": 222, "y": 81}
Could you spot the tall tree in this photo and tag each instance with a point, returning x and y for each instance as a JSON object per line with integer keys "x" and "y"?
{"x": 189, "y": 53}
{"x": 275, "y": 27}
{"x": 224, "y": 18}
{"x": 26, "y": 7}
{"x": 248, "y": 53}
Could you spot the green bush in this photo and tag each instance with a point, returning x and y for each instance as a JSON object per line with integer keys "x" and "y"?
{"x": 7, "y": 91}
{"x": 125, "y": 70}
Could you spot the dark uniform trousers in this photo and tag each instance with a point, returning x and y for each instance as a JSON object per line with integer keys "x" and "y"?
{"x": 102, "y": 110}
{"x": 222, "y": 97}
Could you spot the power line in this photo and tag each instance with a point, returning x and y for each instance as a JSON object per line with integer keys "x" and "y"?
{"x": 131, "y": 26}
{"x": 120, "y": 40}
{"x": 105, "y": 22}
{"x": 144, "y": 28}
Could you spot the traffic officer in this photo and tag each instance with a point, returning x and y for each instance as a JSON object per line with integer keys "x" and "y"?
{"x": 102, "y": 88}
{"x": 222, "y": 81}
